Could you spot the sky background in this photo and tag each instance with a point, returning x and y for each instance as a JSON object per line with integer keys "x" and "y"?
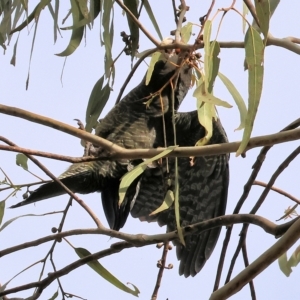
{"x": 66, "y": 99}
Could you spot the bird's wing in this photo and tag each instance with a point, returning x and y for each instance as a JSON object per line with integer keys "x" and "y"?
{"x": 202, "y": 193}
{"x": 130, "y": 124}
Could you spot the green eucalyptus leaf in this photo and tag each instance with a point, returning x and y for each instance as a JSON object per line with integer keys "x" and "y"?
{"x": 77, "y": 33}
{"x": 98, "y": 268}
{"x": 129, "y": 177}
{"x": 152, "y": 18}
{"x": 21, "y": 160}
{"x": 237, "y": 98}
{"x": 254, "y": 49}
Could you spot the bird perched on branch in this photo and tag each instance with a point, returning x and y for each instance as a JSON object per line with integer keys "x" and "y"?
{"x": 143, "y": 119}
{"x": 203, "y": 186}
{"x": 132, "y": 123}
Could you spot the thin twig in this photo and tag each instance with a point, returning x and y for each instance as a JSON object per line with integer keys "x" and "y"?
{"x": 183, "y": 10}
{"x": 59, "y": 229}
{"x": 246, "y": 262}
{"x": 206, "y": 17}
{"x": 134, "y": 68}
{"x": 138, "y": 23}
{"x": 175, "y": 12}
{"x": 252, "y": 10}
{"x": 161, "y": 265}
{"x": 279, "y": 191}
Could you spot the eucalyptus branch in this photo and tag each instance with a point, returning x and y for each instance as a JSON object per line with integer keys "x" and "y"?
{"x": 46, "y": 154}
{"x": 183, "y": 10}
{"x": 139, "y": 240}
{"x": 174, "y": 11}
{"x": 246, "y": 262}
{"x": 59, "y": 229}
{"x": 260, "y": 264}
{"x": 115, "y": 152}
{"x": 161, "y": 265}
{"x": 279, "y": 191}
{"x": 142, "y": 240}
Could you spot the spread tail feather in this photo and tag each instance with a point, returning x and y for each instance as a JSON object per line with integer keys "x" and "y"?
{"x": 82, "y": 183}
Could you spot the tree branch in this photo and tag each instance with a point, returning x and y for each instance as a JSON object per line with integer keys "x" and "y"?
{"x": 246, "y": 262}
{"x": 139, "y": 240}
{"x": 116, "y": 152}
{"x": 161, "y": 265}
{"x": 260, "y": 264}
{"x": 279, "y": 191}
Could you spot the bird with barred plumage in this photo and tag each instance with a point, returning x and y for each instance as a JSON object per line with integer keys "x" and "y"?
{"x": 132, "y": 124}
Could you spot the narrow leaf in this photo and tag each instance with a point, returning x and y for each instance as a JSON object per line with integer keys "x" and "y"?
{"x": 54, "y": 296}
{"x": 98, "y": 268}
{"x": 134, "y": 29}
{"x": 283, "y": 265}
{"x": 77, "y": 33}
{"x": 205, "y": 118}
{"x": 31, "y": 51}
{"x": 167, "y": 203}
{"x": 34, "y": 15}
{"x": 186, "y": 32}
{"x": 14, "y": 56}
{"x": 93, "y": 100}
{"x": 237, "y": 98}
{"x": 254, "y": 49}
{"x": 245, "y": 12}
{"x": 201, "y": 94}
{"x": 295, "y": 258}
{"x": 28, "y": 215}
{"x": 206, "y": 39}
{"x": 152, "y": 18}
{"x": 107, "y": 37}
{"x": 264, "y": 14}
{"x": 83, "y": 8}
{"x": 98, "y": 102}
{"x": 214, "y": 64}
{"x": 2, "y": 207}
{"x": 155, "y": 57}
{"x": 176, "y": 204}
{"x": 18, "y": 14}
{"x": 129, "y": 177}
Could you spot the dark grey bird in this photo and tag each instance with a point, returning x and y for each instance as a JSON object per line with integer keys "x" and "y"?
{"x": 203, "y": 186}
{"x": 131, "y": 124}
